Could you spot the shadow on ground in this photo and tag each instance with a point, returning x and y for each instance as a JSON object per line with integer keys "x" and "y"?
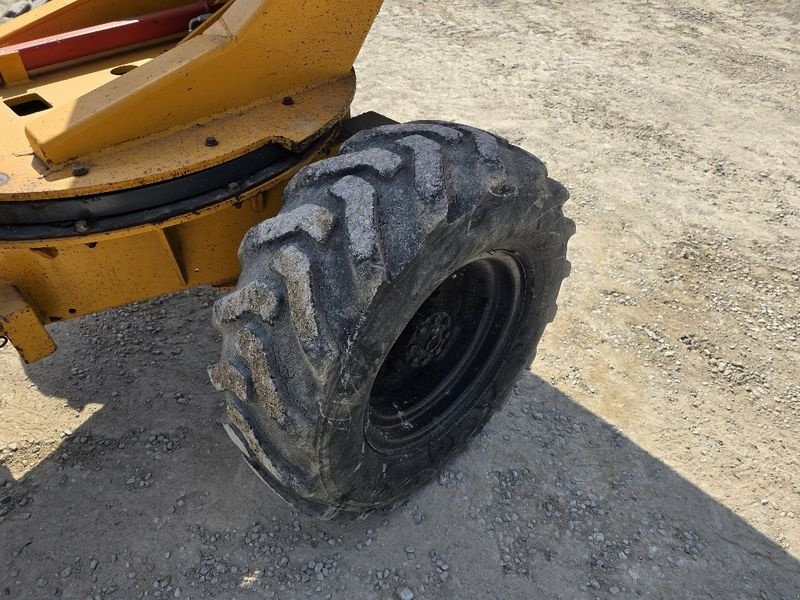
{"x": 148, "y": 498}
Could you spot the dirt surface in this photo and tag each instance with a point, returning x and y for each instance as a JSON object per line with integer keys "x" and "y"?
{"x": 651, "y": 452}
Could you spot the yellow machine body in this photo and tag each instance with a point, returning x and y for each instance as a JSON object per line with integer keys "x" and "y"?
{"x": 257, "y": 74}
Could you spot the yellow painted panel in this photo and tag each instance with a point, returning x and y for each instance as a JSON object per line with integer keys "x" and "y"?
{"x": 256, "y": 50}
{"x": 83, "y": 278}
{"x": 159, "y": 157}
{"x": 207, "y": 248}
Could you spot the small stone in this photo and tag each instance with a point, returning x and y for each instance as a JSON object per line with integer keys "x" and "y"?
{"x": 41, "y": 582}
{"x": 404, "y": 594}
{"x": 66, "y": 572}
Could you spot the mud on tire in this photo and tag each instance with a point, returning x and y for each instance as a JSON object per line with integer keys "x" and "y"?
{"x": 385, "y": 313}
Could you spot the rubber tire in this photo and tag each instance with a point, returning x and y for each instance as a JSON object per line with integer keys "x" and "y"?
{"x": 328, "y": 285}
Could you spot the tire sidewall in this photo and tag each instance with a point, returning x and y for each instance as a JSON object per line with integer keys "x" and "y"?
{"x": 350, "y": 469}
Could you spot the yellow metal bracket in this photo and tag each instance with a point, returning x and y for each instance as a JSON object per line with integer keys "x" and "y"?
{"x": 19, "y": 323}
{"x": 252, "y": 51}
{"x": 12, "y": 71}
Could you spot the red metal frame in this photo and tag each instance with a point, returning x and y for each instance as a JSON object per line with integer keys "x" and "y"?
{"x": 102, "y": 39}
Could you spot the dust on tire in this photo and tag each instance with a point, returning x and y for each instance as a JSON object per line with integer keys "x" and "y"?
{"x": 330, "y": 284}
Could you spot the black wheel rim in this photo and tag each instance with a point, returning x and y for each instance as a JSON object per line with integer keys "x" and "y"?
{"x": 447, "y": 357}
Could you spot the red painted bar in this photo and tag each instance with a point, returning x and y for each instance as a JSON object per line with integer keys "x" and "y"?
{"x": 99, "y": 39}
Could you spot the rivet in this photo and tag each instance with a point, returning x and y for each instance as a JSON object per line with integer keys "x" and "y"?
{"x": 211, "y": 141}
{"x": 4, "y": 179}
{"x": 288, "y": 101}
{"x": 79, "y": 170}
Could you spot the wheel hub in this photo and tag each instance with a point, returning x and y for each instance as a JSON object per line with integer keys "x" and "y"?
{"x": 445, "y": 359}
{"x": 429, "y": 339}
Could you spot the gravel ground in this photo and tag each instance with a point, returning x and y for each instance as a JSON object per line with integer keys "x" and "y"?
{"x": 651, "y": 451}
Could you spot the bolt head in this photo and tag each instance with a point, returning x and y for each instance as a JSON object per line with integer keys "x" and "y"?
{"x": 211, "y": 141}
{"x": 79, "y": 170}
